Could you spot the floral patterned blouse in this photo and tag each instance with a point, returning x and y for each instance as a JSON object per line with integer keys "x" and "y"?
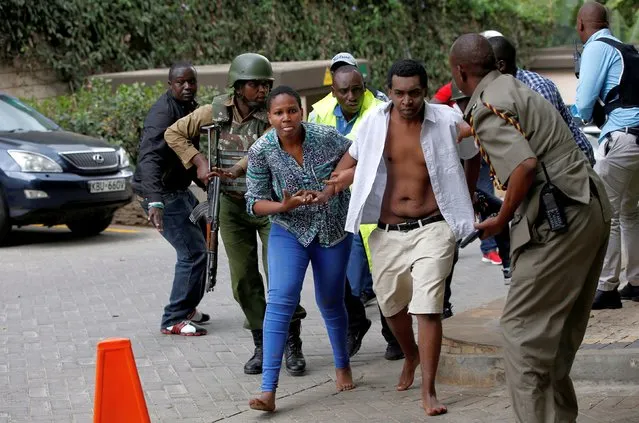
{"x": 271, "y": 170}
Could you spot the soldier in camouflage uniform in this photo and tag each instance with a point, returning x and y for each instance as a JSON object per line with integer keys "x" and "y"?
{"x": 243, "y": 119}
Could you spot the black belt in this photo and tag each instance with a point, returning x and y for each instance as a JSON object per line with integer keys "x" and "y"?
{"x": 409, "y": 226}
{"x": 633, "y": 131}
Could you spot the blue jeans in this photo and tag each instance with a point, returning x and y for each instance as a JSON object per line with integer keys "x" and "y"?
{"x": 287, "y": 264}
{"x": 357, "y": 271}
{"x": 190, "y": 269}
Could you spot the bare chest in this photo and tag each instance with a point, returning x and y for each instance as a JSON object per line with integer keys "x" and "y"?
{"x": 403, "y": 146}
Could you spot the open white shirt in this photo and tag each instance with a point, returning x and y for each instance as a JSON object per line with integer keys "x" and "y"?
{"x": 441, "y": 153}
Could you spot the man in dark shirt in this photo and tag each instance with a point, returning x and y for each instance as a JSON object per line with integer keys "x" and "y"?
{"x": 162, "y": 184}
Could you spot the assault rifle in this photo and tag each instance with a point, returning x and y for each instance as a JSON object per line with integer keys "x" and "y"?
{"x": 210, "y": 209}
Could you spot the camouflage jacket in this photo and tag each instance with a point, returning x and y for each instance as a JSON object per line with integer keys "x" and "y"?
{"x": 236, "y": 136}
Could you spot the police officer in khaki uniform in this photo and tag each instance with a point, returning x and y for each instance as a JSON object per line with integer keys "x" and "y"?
{"x": 555, "y": 271}
{"x": 242, "y": 117}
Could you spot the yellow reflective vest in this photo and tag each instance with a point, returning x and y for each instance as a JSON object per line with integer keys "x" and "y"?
{"x": 323, "y": 114}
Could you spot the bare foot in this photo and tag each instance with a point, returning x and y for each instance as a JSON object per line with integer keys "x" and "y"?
{"x": 265, "y": 402}
{"x": 344, "y": 380}
{"x": 432, "y": 406}
{"x": 408, "y": 374}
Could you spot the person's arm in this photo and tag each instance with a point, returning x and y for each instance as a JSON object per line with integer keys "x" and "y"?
{"x": 259, "y": 199}
{"x": 289, "y": 202}
{"x": 153, "y": 149}
{"x": 592, "y": 77}
{"x": 471, "y": 171}
{"x": 512, "y": 159}
{"x": 178, "y": 137}
{"x": 468, "y": 152}
{"x": 233, "y": 172}
{"x": 340, "y": 144}
{"x": 343, "y": 175}
{"x": 152, "y": 162}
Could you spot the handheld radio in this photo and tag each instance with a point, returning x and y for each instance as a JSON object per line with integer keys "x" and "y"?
{"x": 551, "y": 202}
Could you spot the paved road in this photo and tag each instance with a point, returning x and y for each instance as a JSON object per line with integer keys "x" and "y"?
{"x": 61, "y": 295}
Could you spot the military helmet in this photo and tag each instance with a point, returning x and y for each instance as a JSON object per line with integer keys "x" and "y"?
{"x": 490, "y": 33}
{"x": 248, "y": 67}
{"x": 457, "y": 94}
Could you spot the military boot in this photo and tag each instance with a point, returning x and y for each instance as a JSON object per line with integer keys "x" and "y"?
{"x": 295, "y": 362}
{"x": 254, "y": 365}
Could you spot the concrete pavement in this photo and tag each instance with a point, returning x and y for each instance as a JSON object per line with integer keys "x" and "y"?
{"x": 60, "y": 295}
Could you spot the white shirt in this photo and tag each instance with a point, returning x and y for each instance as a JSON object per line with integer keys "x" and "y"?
{"x": 441, "y": 153}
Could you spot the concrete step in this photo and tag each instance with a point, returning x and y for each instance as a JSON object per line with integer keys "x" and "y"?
{"x": 472, "y": 347}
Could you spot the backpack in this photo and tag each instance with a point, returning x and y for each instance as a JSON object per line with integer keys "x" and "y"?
{"x": 626, "y": 94}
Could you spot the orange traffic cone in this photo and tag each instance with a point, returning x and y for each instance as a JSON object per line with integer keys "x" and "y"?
{"x": 118, "y": 392}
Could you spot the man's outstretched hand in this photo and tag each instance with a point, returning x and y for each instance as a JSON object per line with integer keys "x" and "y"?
{"x": 230, "y": 173}
{"x": 341, "y": 179}
{"x": 300, "y": 198}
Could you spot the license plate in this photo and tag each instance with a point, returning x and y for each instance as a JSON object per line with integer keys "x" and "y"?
{"x": 107, "y": 185}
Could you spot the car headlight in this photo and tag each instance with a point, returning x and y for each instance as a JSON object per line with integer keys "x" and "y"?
{"x": 34, "y": 162}
{"x": 123, "y": 158}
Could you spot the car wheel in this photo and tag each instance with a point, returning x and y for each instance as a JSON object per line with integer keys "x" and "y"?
{"x": 5, "y": 224}
{"x": 90, "y": 225}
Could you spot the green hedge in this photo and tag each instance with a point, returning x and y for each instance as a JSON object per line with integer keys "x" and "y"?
{"x": 95, "y": 109}
{"x": 80, "y": 38}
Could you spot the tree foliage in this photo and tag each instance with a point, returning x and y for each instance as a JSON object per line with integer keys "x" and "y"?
{"x": 624, "y": 20}
{"x": 78, "y": 38}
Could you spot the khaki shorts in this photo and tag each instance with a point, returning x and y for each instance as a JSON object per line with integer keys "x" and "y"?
{"x": 410, "y": 268}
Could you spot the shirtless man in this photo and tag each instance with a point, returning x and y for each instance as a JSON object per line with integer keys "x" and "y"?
{"x": 409, "y": 180}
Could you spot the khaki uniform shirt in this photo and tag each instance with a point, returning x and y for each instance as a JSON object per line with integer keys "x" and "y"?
{"x": 236, "y": 136}
{"x": 547, "y": 138}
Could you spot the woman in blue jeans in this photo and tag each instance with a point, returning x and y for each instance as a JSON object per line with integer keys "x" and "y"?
{"x": 287, "y": 169}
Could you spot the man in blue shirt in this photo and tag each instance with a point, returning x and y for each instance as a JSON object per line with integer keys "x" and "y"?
{"x": 602, "y": 67}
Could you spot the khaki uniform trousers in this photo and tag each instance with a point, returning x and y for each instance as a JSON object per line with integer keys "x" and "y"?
{"x": 546, "y": 313}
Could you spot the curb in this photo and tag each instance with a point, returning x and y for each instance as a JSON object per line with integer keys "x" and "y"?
{"x": 472, "y": 354}
{"x": 487, "y": 370}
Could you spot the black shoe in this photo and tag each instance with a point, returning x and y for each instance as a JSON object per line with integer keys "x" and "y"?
{"x": 448, "y": 312}
{"x": 629, "y": 292}
{"x": 368, "y": 298}
{"x": 393, "y": 352}
{"x": 508, "y": 275}
{"x": 606, "y": 300}
{"x": 354, "y": 340}
{"x": 293, "y": 356}
{"x": 254, "y": 365}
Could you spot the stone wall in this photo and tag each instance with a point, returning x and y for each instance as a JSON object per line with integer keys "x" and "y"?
{"x": 36, "y": 82}
{"x": 131, "y": 215}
